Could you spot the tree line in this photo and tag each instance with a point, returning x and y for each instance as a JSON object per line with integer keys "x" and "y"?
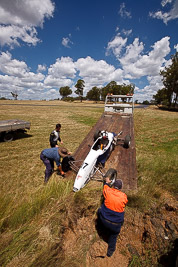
{"x": 97, "y": 94}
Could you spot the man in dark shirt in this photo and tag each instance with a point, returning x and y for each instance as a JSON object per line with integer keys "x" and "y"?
{"x": 48, "y": 156}
{"x": 111, "y": 213}
{"x": 55, "y": 136}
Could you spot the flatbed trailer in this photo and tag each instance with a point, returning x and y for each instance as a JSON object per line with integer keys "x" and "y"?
{"x": 115, "y": 120}
{"x": 9, "y": 127}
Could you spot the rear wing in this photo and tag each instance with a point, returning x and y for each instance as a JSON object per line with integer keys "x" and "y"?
{"x": 119, "y": 104}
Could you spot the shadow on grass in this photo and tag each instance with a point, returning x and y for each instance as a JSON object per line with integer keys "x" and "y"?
{"x": 17, "y": 136}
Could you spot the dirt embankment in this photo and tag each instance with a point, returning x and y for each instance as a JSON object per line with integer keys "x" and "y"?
{"x": 146, "y": 239}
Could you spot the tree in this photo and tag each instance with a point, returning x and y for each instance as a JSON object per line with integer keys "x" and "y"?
{"x": 116, "y": 89}
{"x": 145, "y": 102}
{"x": 161, "y": 96}
{"x": 170, "y": 80}
{"x": 80, "y": 86}
{"x": 65, "y": 91}
{"x": 15, "y": 95}
{"x": 94, "y": 94}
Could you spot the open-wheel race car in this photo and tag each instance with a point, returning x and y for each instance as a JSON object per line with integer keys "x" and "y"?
{"x": 92, "y": 168}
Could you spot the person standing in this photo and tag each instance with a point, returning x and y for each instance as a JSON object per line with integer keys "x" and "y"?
{"x": 51, "y": 155}
{"x": 111, "y": 213}
{"x": 55, "y": 136}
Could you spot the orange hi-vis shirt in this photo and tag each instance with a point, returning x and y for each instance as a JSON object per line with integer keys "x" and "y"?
{"x": 115, "y": 200}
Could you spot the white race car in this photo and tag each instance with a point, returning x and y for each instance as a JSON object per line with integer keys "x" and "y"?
{"x": 97, "y": 155}
{"x": 91, "y": 168}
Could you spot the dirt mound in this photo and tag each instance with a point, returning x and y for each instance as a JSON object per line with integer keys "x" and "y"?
{"x": 145, "y": 239}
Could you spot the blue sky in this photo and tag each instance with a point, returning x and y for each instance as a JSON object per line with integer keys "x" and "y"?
{"x": 47, "y": 44}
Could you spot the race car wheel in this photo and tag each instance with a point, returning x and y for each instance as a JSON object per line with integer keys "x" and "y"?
{"x": 66, "y": 163}
{"x": 127, "y": 141}
{"x": 112, "y": 174}
{"x": 96, "y": 135}
{"x": 8, "y": 137}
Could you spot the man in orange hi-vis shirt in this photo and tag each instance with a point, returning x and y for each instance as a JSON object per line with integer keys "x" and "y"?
{"x": 111, "y": 213}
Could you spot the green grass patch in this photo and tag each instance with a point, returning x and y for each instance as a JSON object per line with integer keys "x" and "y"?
{"x": 27, "y": 210}
{"x": 87, "y": 120}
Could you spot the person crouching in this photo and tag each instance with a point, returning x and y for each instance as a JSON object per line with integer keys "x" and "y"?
{"x": 51, "y": 155}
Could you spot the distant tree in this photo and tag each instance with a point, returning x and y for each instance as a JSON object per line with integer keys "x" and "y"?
{"x": 80, "y": 86}
{"x": 136, "y": 101}
{"x": 161, "y": 97}
{"x": 65, "y": 91}
{"x": 170, "y": 80}
{"x": 127, "y": 89}
{"x": 145, "y": 102}
{"x": 94, "y": 94}
{"x": 110, "y": 88}
{"x": 15, "y": 95}
{"x": 116, "y": 89}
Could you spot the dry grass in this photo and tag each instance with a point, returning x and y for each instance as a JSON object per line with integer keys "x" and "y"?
{"x": 33, "y": 217}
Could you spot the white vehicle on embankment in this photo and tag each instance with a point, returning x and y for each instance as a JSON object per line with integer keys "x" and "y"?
{"x": 93, "y": 164}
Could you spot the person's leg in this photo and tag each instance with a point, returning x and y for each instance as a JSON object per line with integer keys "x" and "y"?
{"x": 52, "y": 164}
{"x": 114, "y": 232}
{"x": 112, "y": 243}
{"x": 48, "y": 170}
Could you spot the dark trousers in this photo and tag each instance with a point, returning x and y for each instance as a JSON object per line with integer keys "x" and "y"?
{"x": 49, "y": 166}
{"x": 113, "y": 230}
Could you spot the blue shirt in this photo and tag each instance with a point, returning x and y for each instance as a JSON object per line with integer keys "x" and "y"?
{"x": 53, "y": 154}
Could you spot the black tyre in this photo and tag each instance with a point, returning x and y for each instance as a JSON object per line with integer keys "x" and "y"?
{"x": 96, "y": 135}
{"x": 127, "y": 141}
{"x": 66, "y": 163}
{"x": 8, "y": 137}
{"x": 112, "y": 174}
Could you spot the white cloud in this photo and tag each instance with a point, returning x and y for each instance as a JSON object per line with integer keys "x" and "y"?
{"x": 11, "y": 66}
{"x": 116, "y": 45}
{"x": 165, "y": 2}
{"x": 123, "y": 12}
{"x": 18, "y": 20}
{"x": 66, "y": 42}
{"x": 41, "y": 68}
{"x": 62, "y": 68}
{"x": 137, "y": 65}
{"x": 166, "y": 16}
{"x": 15, "y": 75}
{"x": 176, "y": 47}
{"x": 61, "y": 73}
{"x": 97, "y": 73}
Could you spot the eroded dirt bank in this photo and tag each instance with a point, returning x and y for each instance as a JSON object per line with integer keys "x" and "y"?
{"x": 146, "y": 239}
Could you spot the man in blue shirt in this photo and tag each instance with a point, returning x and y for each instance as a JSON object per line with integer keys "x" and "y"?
{"x": 48, "y": 156}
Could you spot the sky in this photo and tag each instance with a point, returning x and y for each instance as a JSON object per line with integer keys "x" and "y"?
{"x": 48, "y": 44}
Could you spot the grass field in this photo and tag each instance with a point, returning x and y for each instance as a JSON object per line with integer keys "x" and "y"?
{"x": 33, "y": 215}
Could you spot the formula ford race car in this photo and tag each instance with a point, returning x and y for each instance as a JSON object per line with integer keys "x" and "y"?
{"x": 93, "y": 165}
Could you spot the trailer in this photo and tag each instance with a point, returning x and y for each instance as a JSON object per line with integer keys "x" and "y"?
{"x": 9, "y": 127}
{"x": 116, "y": 118}
{"x": 119, "y": 104}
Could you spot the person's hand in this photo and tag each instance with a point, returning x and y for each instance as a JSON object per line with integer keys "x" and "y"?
{"x": 61, "y": 142}
{"x": 56, "y": 146}
{"x": 69, "y": 153}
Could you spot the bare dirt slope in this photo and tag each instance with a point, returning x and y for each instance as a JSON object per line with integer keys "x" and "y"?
{"x": 145, "y": 239}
